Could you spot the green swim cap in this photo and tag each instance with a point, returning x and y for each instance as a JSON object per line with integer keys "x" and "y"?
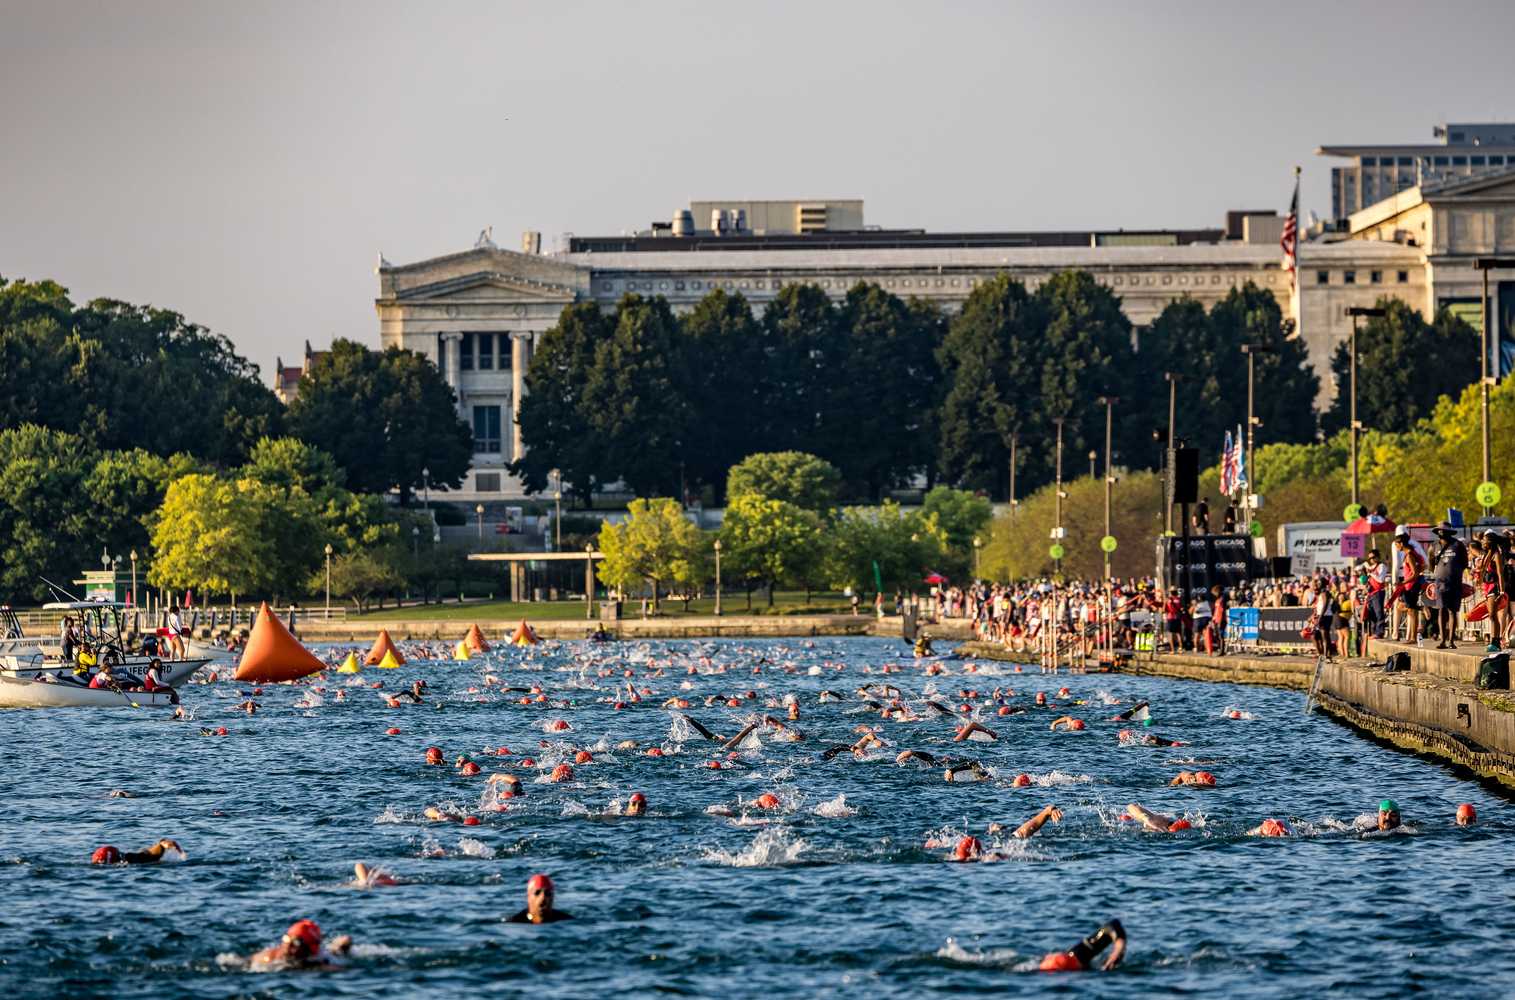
{"x": 1388, "y": 806}
{"x": 1147, "y": 721}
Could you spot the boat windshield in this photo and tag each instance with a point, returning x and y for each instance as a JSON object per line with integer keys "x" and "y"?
{"x": 10, "y": 625}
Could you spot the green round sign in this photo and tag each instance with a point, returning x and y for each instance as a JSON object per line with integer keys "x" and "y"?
{"x": 1487, "y": 494}
{"x": 1057, "y": 550}
{"x": 1107, "y": 543}
{"x": 1352, "y": 512}
{"x": 1255, "y": 529}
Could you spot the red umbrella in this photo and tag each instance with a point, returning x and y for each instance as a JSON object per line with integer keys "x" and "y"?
{"x": 1370, "y": 525}
{"x": 935, "y": 578}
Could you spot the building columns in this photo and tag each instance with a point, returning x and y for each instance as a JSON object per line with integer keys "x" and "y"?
{"x": 452, "y": 345}
{"x": 518, "y": 342}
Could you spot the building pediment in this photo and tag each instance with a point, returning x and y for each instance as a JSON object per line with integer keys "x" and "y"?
{"x": 489, "y": 287}
{"x": 1500, "y": 185}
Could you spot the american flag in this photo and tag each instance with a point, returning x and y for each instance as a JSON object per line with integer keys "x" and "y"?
{"x": 1290, "y": 239}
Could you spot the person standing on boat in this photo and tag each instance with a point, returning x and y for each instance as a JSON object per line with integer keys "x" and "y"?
{"x": 68, "y": 633}
{"x": 175, "y": 635}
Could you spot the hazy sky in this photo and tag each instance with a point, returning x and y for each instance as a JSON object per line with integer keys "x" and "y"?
{"x": 244, "y": 162}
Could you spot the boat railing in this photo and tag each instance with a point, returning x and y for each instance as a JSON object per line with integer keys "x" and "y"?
{"x": 45, "y": 623}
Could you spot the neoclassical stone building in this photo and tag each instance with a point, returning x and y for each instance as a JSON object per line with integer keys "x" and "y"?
{"x": 479, "y": 313}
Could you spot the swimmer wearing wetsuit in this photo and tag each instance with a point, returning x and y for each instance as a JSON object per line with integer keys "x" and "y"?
{"x": 1147, "y": 739}
{"x": 1081, "y": 956}
{"x": 300, "y": 948}
{"x": 636, "y": 805}
{"x": 1131, "y": 713}
{"x": 155, "y": 854}
{"x": 970, "y": 770}
{"x": 1388, "y": 815}
{"x": 539, "y": 909}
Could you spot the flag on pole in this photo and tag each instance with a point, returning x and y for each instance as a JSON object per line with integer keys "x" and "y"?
{"x": 1290, "y": 238}
{"x": 1227, "y": 467}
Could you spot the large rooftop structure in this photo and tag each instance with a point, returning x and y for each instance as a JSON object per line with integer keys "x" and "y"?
{"x": 1377, "y": 172}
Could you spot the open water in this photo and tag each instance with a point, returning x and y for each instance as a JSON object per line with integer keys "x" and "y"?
{"x": 832, "y": 894}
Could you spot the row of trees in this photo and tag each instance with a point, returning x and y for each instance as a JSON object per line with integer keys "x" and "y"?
{"x": 782, "y": 528}
{"x": 1417, "y": 473}
{"x": 127, "y": 377}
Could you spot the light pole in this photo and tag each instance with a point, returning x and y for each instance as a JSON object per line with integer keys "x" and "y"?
{"x": 978, "y": 543}
{"x": 1486, "y": 342}
{"x": 1058, "y": 464}
{"x": 1109, "y": 403}
{"x": 426, "y": 480}
{"x": 557, "y": 519}
{"x": 718, "y": 577}
{"x": 1355, "y": 312}
{"x": 1093, "y": 457}
{"x": 589, "y": 580}
{"x": 1172, "y": 378}
{"x": 1251, "y": 351}
{"x": 1014, "y": 440}
{"x": 328, "y": 580}
{"x": 134, "y": 577}
{"x": 415, "y": 542}
{"x": 478, "y": 511}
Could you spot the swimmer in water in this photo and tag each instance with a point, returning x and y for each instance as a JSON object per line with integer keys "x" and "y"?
{"x": 916, "y": 757}
{"x": 1269, "y": 828}
{"x": 1067, "y": 722}
{"x": 1028, "y": 829}
{"x": 539, "y": 909}
{"x": 1466, "y": 814}
{"x": 249, "y": 706}
{"x": 976, "y": 732}
{"x": 1388, "y": 815}
{"x": 636, "y": 805}
{"x": 1081, "y": 956}
{"x": 1200, "y": 779}
{"x": 970, "y": 770}
{"x": 1147, "y": 739}
{"x": 1155, "y": 821}
{"x": 415, "y": 694}
{"x": 300, "y": 948}
{"x": 364, "y": 877}
{"x": 163, "y": 850}
{"x": 510, "y": 785}
{"x": 1136, "y": 713}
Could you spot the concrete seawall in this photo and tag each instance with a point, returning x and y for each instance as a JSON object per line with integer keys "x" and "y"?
{"x": 1432, "y": 709}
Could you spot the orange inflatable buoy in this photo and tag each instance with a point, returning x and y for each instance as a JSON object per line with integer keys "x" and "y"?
{"x": 273, "y": 654}
{"x": 475, "y": 640}
{"x": 383, "y": 644}
{"x": 524, "y": 635}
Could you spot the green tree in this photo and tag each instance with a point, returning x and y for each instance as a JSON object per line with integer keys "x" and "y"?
{"x": 961, "y": 517}
{"x": 769, "y": 541}
{"x": 1285, "y": 386}
{"x": 555, "y": 424}
{"x": 886, "y": 391}
{"x": 636, "y": 409}
{"x": 989, "y": 362}
{"x": 794, "y": 477}
{"x": 208, "y": 535}
{"x": 47, "y": 527}
{"x": 124, "y": 488}
{"x": 1404, "y": 365}
{"x": 902, "y": 544}
{"x": 722, "y": 351}
{"x": 384, "y": 417}
{"x": 802, "y": 345}
{"x": 654, "y": 545}
{"x": 358, "y": 576}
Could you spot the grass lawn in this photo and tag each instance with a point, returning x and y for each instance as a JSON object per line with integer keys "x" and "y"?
{"x": 784, "y": 603}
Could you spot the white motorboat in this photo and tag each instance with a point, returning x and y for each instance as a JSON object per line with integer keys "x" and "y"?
{"x": 55, "y": 692}
{"x": 38, "y": 674}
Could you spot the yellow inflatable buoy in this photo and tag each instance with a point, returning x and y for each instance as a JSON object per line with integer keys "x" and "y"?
{"x": 461, "y": 652}
{"x": 389, "y": 662}
{"x": 350, "y": 665}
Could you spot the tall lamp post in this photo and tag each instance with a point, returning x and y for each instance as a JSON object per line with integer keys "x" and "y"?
{"x": 1251, "y": 351}
{"x": 478, "y": 512}
{"x": 328, "y": 580}
{"x": 557, "y": 520}
{"x": 1093, "y": 457}
{"x": 718, "y": 577}
{"x": 1014, "y": 440}
{"x": 1355, "y": 312}
{"x": 1058, "y": 468}
{"x": 978, "y": 543}
{"x": 1109, "y": 404}
{"x": 134, "y": 577}
{"x": 1172, "y": 379}
{"x": 426, "y": 480}
{"x": 589, "y": 580}
{"x": 1486, "y": 343}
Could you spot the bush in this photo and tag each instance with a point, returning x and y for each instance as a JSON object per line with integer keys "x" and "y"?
{"x": 448, "y": 515}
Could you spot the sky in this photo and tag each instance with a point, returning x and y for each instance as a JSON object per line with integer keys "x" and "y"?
{"x": 244, "y": 163}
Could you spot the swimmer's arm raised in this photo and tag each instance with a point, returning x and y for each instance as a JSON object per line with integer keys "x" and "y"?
{"x": 1036, "y": 822}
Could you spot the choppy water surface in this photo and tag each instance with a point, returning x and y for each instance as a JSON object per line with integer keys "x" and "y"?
{"x": 834, "y": 893}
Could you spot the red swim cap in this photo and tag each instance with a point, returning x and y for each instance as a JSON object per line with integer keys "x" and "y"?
{"x": 106, "y": 855}
{"x": 767, "y": 801}
{"x": 307, "y": 931}
{"x": 638, "y": 797}
{"x": 528, "y": 762}
{"x": 654, "y": 751}
{"x": 1021, "y": 781}
{"x": 470, "y": 821}
{"x": 967, "y": 849}
{"x": 539, "y": 882}
{"x": 1061, "y": 961}
{"x": 1272, "y": 828}
{"x": 619, "y": 705}
{"x": 562, "y": 773}
{"x": 1178, "y": 824}
{"x": 1004, "y": 710}
{"x": 502, "y": 752}
{"x": 392, "y": 731}
{"x": 714, "y": 765}
{"x": 1466, "y": 813}
{"x": 221, "y": 731}
{"x": 1233, "y": 714}
{"x": 470, "y": 768}
{"x": 583, "y": 757}
{"x": 433, "y": 755}
{"x": 1076, "y": 724}
{"x": 1063, "y": 692}
{"x": 1204, "y": 778}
